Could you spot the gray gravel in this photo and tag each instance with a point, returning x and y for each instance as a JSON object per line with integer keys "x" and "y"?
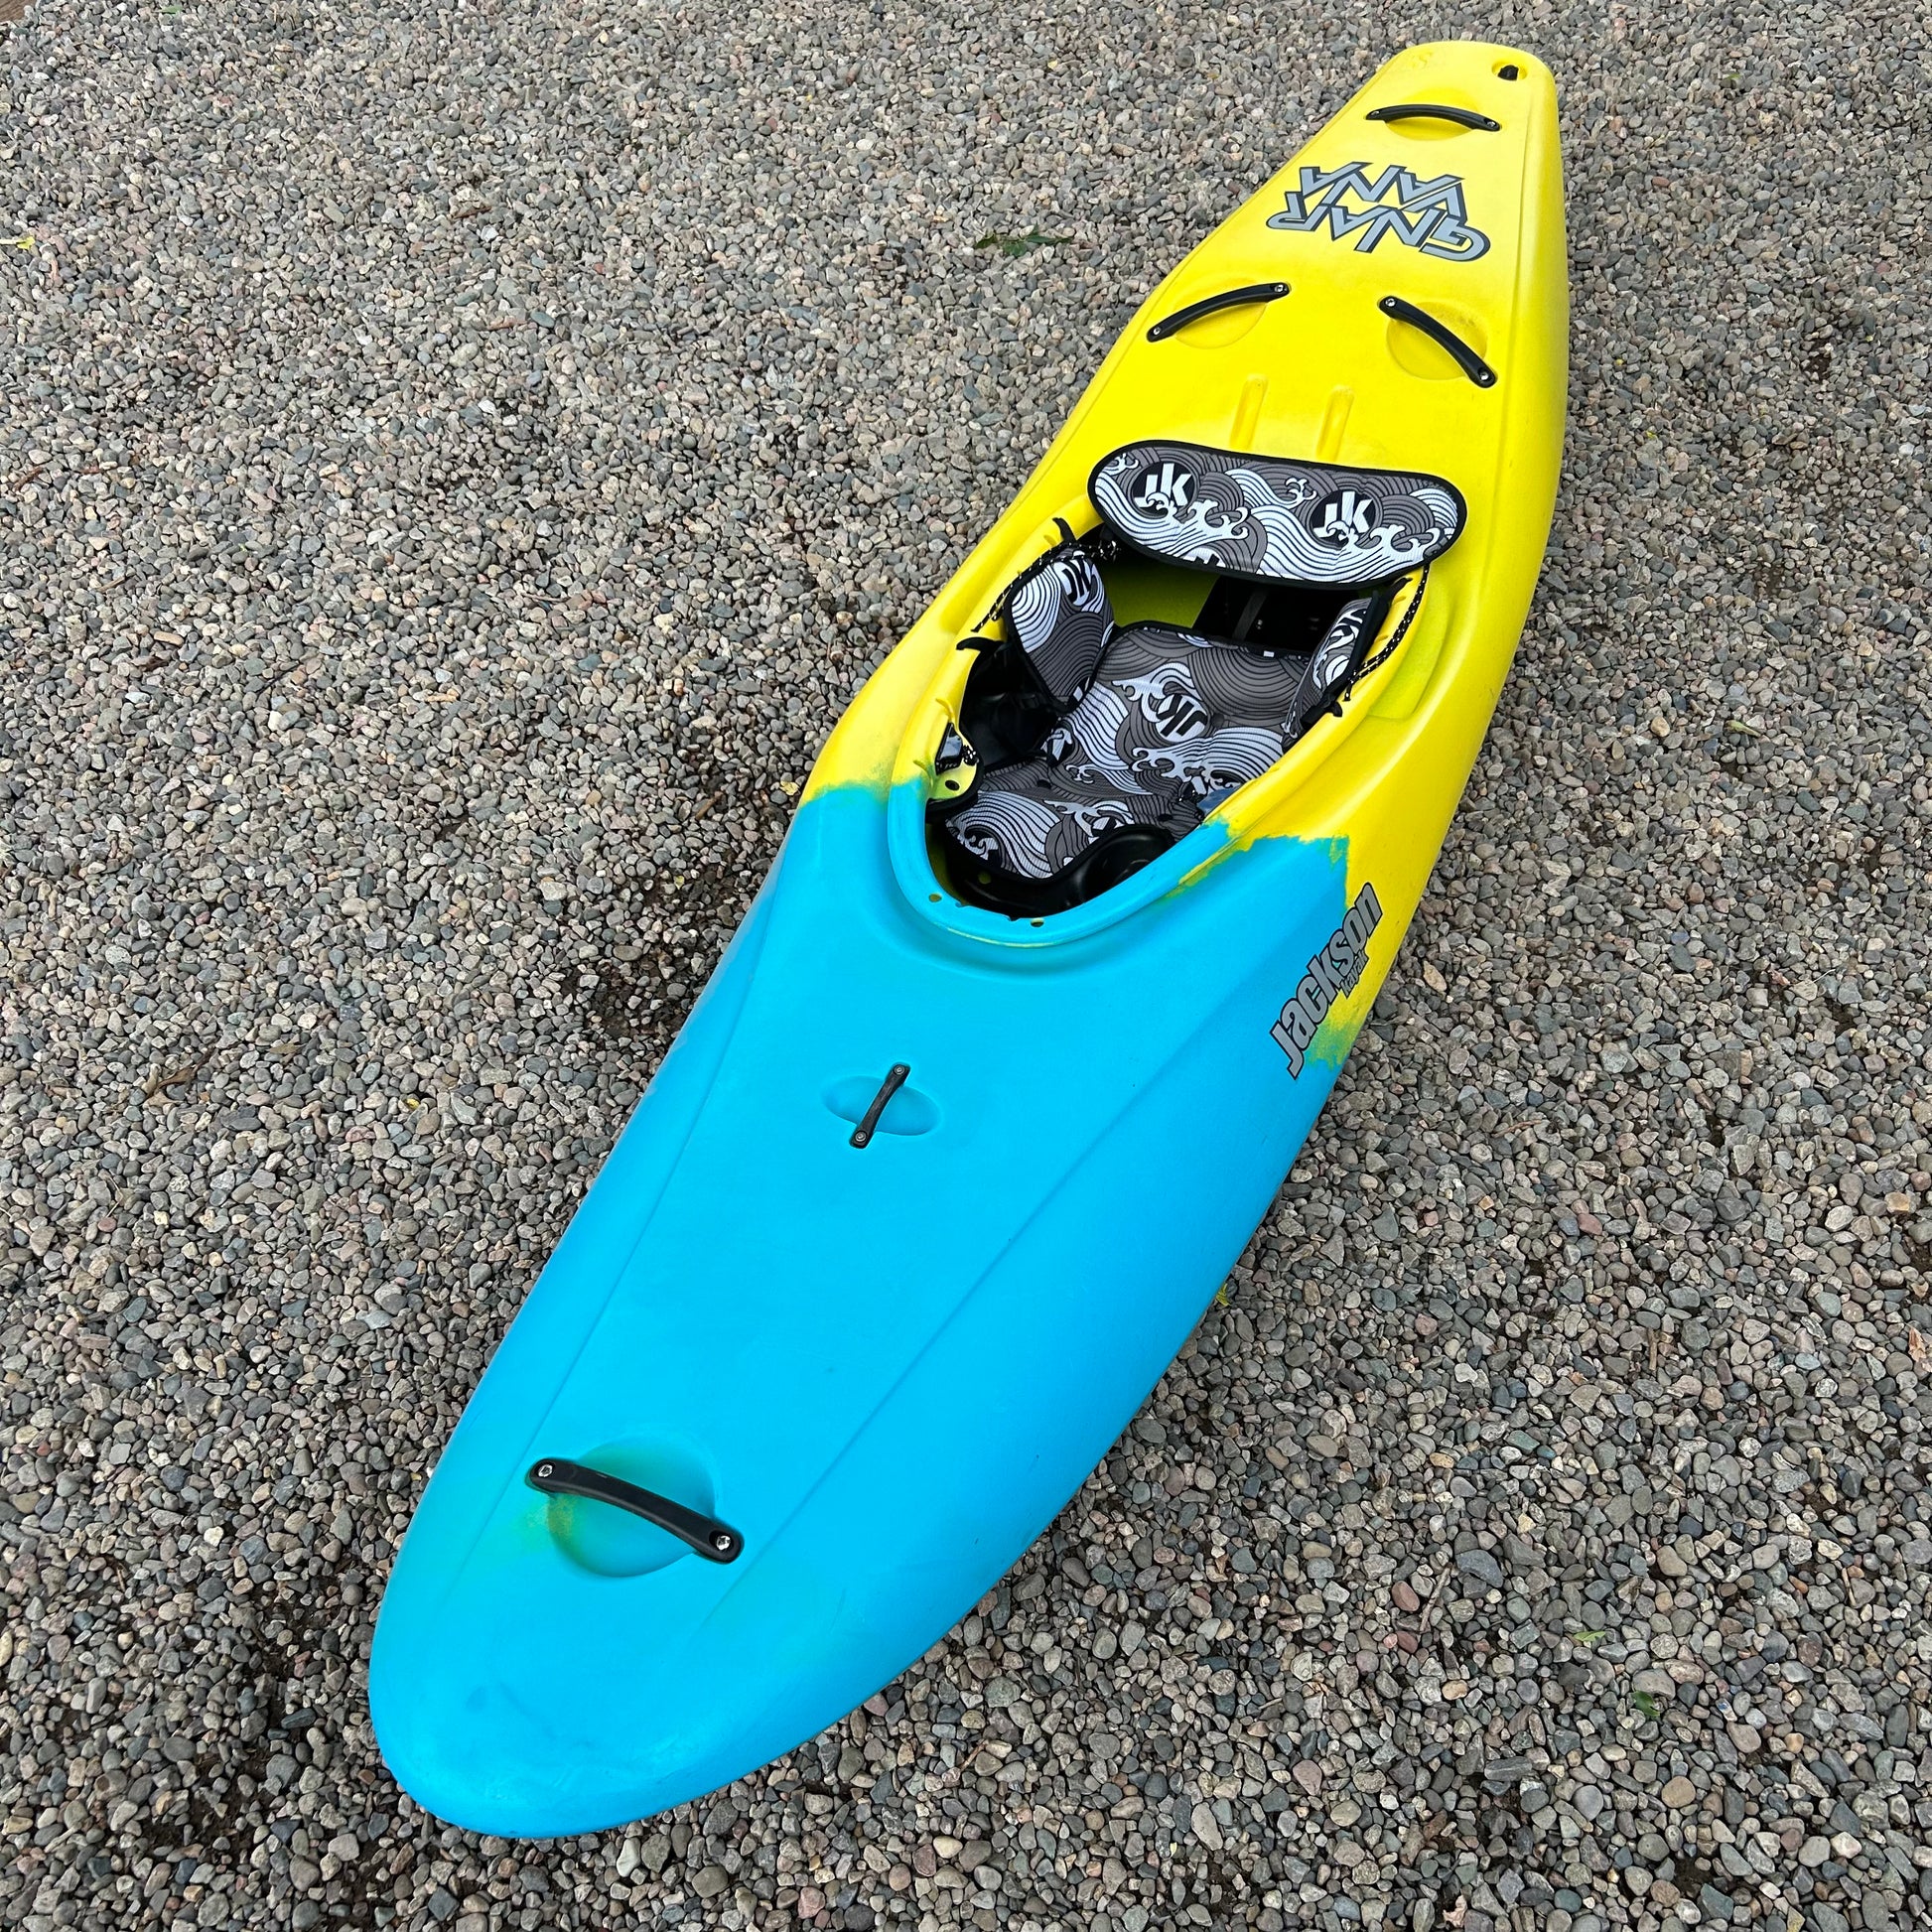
{"x": 457, "y": 463}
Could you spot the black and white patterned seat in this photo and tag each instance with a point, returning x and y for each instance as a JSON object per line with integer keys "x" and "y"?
{"x": 1099, "y": 746}
{"x": 1170, "y": 723}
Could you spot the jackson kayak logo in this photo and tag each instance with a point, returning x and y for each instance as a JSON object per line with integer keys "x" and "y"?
{"x": 1332, "y": 973}
{"x": 1164, "y": 492}
{"x": 1348, "y": 201}
{"x": 1343, "y": 518}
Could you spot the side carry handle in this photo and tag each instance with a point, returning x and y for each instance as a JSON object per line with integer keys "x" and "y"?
{"x": 1439, "y": 333}
{"x": 1432, "y": 110}
{"x": 1210, "y": 304}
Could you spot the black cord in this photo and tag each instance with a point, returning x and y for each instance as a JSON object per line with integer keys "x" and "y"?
{"x": 1401, "y": 632}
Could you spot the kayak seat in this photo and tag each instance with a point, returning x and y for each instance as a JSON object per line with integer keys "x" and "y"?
{"x": 1098, "y": 745}
{"x": 1170, "y": 723}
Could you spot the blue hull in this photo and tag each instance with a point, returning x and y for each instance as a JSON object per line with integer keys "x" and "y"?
{"x": 890, "y": 1367}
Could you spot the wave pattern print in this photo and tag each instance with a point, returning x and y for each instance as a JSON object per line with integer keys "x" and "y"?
{"x": 1272, "y": 519}
{"x": 1037, "y": 818}
{"x": 1085, "y": 745}
{"x": 1171, "y": 722}
{"x": 1060, "y": 614}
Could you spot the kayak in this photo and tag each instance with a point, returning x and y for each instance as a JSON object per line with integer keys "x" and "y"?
{"x": 1082, "y": 908}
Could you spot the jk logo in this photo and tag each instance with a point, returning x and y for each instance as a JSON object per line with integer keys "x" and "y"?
{"x": 1350, "y": 201}
{"x": 1344, "y": 518}
{"x": 1164, "y": 491}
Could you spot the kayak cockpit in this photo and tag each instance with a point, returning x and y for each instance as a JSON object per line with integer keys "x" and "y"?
{"x": 1140, "y": 672}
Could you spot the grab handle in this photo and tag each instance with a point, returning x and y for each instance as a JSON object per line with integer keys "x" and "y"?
{"x": 1467, "y": 359}
{"x": 889, "y": 1085}
{"x": 716, "y": 1542}
{"x": 1210, "y": 304}
{"x": 1430, "y": 110}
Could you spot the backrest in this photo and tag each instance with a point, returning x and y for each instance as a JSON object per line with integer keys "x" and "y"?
{"x": 1274, "y": 519}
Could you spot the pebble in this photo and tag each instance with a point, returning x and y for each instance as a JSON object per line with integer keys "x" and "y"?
{"x": 1480, "y": 1566}
{"x": 456, "y": 468}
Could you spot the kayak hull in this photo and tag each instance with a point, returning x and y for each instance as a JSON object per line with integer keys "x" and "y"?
{"x": 887, "y": 1366}
{"x": 718, "y": 1300}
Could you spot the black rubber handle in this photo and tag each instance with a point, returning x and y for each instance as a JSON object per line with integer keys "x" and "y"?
{"x": 1430, "y": 110}
{"x": 1467, "y": 359}
{"x": 716, "y": 1542}
{"x": 1210, "y": 304}
{"x": 889, "y": 1085}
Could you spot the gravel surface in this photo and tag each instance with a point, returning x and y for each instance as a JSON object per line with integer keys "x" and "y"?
{"x": 457, "y": 463}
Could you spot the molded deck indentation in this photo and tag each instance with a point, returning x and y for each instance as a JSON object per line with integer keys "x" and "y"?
{"x": 908, "y": 1112}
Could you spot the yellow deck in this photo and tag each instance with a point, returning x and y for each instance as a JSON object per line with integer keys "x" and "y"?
{"x": 1471, "y": 231}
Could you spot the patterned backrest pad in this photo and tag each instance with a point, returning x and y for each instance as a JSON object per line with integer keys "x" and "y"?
{"x": 1272, "y": 518}
{"x": 1058, "y": 612}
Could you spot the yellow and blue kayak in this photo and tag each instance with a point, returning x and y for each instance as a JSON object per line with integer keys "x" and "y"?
{"x": 1087, "y": 899}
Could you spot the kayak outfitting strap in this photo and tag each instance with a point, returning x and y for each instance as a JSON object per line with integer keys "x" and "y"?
{"x": 1443, "y": 337}
{"x": 1275, "y": 519}
{"x": 1210, "y": 304}
{"x": 1395, "y": 636}
{"x": 1430, "y": 110}
{"x": 869, "y": 1120}
{"x": 716, "y": 1542}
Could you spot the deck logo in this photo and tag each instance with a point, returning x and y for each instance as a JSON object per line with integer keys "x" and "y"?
{"x": 1343, "y": 518}
{"x": 1348, "y": 200}
{"x": 1164, "y": 490}
{"x": 1332, "y": 973}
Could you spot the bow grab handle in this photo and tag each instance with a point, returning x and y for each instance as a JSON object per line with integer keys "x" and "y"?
{"x": 716, "y": 1542}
